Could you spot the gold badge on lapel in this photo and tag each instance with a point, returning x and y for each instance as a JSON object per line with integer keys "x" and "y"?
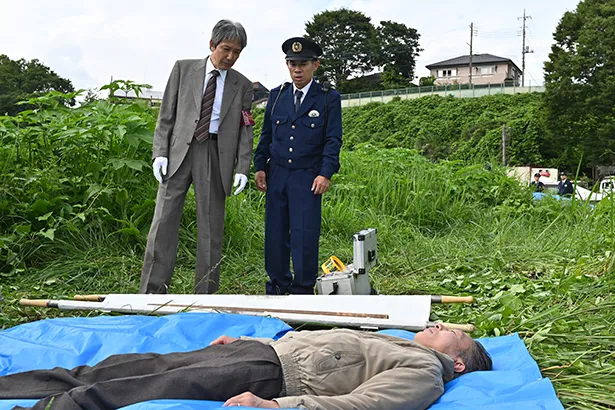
{"x": 297, "y": 47}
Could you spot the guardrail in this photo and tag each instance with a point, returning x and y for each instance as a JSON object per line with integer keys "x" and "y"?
{"x": 460, "y": 91}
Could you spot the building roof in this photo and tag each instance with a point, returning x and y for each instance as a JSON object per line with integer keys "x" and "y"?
{"x": 476, "y": 60}
{"x": 146, "y": 93}
{"x": 258, "y": 86}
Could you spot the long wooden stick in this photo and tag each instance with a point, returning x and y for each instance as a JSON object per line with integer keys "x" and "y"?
{"x": 263, "y": 310}
{"x": 90, "y": 298}
{"x": 452, "y": 299}
{"x": 60, "y": 304}
{"x": 434, "y": 298}
{"x": 37, "y": 303}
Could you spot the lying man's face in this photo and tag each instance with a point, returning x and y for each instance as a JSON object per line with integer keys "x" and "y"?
{"x": 449, "y": 342}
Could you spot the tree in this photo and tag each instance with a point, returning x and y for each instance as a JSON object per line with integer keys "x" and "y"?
{"x": 580, "y": 87}
{"x": 349, "y": 43}
{"x": 427, "y": 81}
{"x": 21, "y": 80}
{"x": 399, "y": 47}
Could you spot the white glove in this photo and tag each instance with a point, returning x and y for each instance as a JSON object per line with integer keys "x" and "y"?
{"x": 240, "y": 180}
{"x": 160, "y": 164}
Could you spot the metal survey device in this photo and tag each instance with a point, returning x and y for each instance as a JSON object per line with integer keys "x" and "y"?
{"x": 354, "y": 279}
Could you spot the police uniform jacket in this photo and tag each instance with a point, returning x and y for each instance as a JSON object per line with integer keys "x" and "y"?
{"x": 309, "y": 138}
{"x": 565, "y": 187}
{"x": 537, "y": 186}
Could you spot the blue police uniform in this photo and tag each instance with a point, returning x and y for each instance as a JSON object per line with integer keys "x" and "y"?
{"x": 565, "y": 188}
{"x": 294, "y": 148}
{"x": 537, "y": 186}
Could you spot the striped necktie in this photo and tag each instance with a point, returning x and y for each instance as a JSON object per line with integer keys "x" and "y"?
{"x": 202, "y": 129}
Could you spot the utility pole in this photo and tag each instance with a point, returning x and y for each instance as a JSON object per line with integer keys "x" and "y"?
{"x": 470, "y": 44}
{"x": 504, "y": 138}
{"x": 525, "y": 49}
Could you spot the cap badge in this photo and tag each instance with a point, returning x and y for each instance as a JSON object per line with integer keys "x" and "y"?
{"x": 297, "y": 47}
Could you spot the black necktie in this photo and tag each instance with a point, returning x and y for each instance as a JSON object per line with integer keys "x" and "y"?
{"x": 298, "y": 95}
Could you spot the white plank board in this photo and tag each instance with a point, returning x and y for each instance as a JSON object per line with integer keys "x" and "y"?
{"x": 363, "y": 311}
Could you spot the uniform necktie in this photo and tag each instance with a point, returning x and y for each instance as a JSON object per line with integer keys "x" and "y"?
{"x": 298, "y": 95}
{"x": 202, "y": 129}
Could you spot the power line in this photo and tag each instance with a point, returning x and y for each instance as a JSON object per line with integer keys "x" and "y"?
{"x": 497, "y": 36}
{"x": 499, "y": 32}
{"x": 532, "y": 25}
{"x": 530, "y": 73}
{"x": 530, "y": 44}
{"x": 505, "y": 33}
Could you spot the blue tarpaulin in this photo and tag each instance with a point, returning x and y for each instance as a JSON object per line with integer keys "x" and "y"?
{"x": 514, "y": 383}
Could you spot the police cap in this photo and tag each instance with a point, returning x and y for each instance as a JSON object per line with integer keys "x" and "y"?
{"x": 300, "y": 48}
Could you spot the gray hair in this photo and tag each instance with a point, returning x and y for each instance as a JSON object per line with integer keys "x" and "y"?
{"x": 229, "y": 30}
{"x": 475, "y": 358}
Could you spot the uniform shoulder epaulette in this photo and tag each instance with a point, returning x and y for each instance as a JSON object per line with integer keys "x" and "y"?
{"x": 276, "y": 89}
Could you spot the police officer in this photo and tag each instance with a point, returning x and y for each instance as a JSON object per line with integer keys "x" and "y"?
{"x": 296, "y": 157}
{"x": 536, "y": 184}
{"x": 564, "y": 186}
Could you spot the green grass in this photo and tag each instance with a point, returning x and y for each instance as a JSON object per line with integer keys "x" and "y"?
{"x": 542, "y": 269}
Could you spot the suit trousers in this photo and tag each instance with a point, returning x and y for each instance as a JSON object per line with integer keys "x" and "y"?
{"x": 292, "y": 227}
{"x": 214, "y": 373}
{"x": 200, "y": 167}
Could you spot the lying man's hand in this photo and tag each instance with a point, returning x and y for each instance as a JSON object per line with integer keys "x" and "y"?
{"x": 248, "y": 399}
{"x": 223, "y": 340}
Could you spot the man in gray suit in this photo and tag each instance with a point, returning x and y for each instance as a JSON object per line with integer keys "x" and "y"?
{"x": 203, "y": 134}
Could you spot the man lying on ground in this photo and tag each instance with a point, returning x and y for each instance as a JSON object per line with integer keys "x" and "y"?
{"x": 325, "y": 369}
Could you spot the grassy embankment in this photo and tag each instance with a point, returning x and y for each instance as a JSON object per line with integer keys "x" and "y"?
{"x": 76, "y": 200}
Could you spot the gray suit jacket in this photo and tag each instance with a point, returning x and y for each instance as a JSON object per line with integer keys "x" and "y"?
{"x": 179, "y": 115}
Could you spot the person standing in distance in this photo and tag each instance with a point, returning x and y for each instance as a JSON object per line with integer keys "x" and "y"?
{"x": 565, "y": 187}
{"x": 204, "y": 133}
{"x": 536, "y": 184}
{"x": 296, "y": 157}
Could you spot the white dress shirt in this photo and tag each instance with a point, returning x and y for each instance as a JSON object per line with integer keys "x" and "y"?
{"x": 215, "y": 112}
{"x": 304, "y": 90}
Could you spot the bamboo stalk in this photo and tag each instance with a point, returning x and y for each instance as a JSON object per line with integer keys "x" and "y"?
{"x": 264, "y": 310}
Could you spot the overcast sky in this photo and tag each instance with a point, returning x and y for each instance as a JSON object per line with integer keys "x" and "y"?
{"x": 88, "y": 41}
